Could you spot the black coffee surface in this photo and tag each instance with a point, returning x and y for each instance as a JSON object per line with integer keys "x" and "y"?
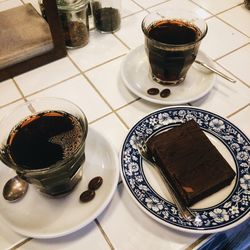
{"x": 44, "y": 139}
{"x": 171, "y": 64}
{"x": 173, "y": 32}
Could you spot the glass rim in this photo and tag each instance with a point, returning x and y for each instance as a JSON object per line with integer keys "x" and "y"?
{"x": 21, "y": 168}
{"x": 37, "y": 100}
{"x": 72, "y": 6}
{"x": 197, "y": 17}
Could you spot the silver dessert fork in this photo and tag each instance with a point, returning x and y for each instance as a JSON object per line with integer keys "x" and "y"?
{"x": 178, "y": 200}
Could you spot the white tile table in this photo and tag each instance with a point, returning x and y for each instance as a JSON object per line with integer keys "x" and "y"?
{"x": 90, "y": 78}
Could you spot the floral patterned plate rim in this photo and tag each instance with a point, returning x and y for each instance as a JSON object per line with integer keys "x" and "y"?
{"x": 231, "y": 209}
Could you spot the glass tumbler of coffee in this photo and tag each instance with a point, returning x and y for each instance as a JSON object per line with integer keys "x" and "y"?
{"x": 43, "y": 140}
{"x": 172, "y": 40}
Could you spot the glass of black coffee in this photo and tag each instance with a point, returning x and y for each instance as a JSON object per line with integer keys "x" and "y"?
{"x": 44, "y": 142}
{"x": 172, "y": 40}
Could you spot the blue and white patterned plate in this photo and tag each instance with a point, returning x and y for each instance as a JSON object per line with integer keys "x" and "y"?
{"x": 220, "y": 211}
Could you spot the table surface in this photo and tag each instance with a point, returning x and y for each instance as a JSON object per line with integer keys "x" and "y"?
{"x": 89, "y": 77}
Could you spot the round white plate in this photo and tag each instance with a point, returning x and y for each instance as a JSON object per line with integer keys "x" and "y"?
{"x": 40, "y": 217}
{"x": 136, "y": 76}
{"x": 220, "y": 211}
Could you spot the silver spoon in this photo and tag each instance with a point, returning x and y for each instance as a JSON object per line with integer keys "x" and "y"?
{"x": 186, "y": 213}
{"x": 215, "y": 71}
{"x": 15, "y": 189}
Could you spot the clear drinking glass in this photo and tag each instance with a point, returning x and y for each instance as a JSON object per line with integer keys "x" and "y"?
{"x": 107, "y": 15}
{"x": 43, "y": 140}
{"x": 74, "y": 19}
{"x": 172, "y": 40}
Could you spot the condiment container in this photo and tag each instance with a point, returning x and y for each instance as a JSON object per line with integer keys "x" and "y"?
{"x": 247, "y": 4}
{"x": 74, "y": 19}
{"x": 107, "y": 15}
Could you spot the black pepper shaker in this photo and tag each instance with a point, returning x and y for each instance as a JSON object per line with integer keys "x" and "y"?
{"x": 74, "y": 18}
{"x": 247, "y": 4}
{"x": 107, "y": 15}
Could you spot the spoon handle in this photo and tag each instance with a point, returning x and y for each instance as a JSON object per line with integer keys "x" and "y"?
{"x": 178, "y": 200}
{"x": 216, "y": 71}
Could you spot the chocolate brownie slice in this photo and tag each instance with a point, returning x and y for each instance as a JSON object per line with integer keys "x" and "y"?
{"x": 192, "y": 163}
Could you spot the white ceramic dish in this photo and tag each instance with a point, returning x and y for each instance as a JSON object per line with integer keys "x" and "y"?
{"x": 135, "y": 75}
{"x": 220, "y": 211}
{"x": 40, "y": 217}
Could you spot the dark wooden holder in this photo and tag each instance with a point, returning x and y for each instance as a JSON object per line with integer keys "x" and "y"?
{"x": 58, "y": 51}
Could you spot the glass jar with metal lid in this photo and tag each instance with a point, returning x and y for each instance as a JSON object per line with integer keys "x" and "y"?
{"x": 247, "y": 4}
{"x": 74, "y": 19}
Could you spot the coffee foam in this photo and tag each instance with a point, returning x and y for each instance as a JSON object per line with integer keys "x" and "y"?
{"x": 69, "y": 141}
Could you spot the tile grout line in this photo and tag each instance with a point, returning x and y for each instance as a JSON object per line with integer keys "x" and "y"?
{"x": 127, "y": 104}
{"x": 120, "y": 40}
{"x": 12, "y": 102}
{"x": 120, "y": 118}
{"x": 215, "y": 14}
{"x": 104, "y": 234}
{"x": 82, "y": 72}
{"x": 102, "y": 63}
{"x": 134, "y": 13}
{"x": 138, "y": 4}
{"x": 227, "y": 54}
{"x": 241, "y": 32}
{"x": 19, "y": 89}
{"x": 96, "y": 90}
{"x": 232, "y": 51}
{"x": 5, "y": 1}
{"x": 238, "y": 110}
{"x": 197, "y": 242}
{"x": 100, "y": 118}
{"x": 113, "y": 111}
{"x": 230, "y": 8}
{"x": 221, "y": 12}
{"x": 98, "y": 65}
{"x": 53, "y": 85}
{"x": 203, "y": 8}
{"x": 240, "y": 80}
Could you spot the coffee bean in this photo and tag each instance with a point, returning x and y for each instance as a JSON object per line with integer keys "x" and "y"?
{"x": 165, "y": 93}
{"x": 87, "y": 195}
{"x": 95, "y": 183}
{"x": 153, "y": 91}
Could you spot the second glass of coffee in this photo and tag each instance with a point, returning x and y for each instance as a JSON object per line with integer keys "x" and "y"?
{"x": 172, "y": 40}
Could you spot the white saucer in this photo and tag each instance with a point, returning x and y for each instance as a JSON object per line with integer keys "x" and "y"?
{"x": 135, "y": 74}
{"x": 40, "y": 217}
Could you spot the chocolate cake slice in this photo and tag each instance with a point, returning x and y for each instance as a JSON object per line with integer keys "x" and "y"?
{"x": 191, "y": 162}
